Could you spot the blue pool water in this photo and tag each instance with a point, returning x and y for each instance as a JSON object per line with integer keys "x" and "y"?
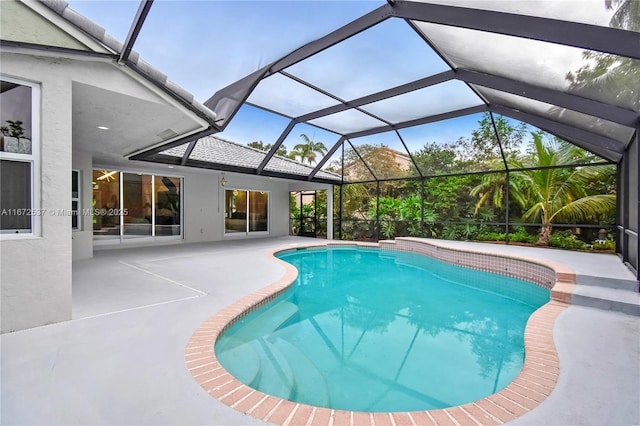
{"x": 369, "y": 330}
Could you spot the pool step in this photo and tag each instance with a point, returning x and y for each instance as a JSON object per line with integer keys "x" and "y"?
{"x": 243, "y": 359}
{"x": 310, "y": 385}
{"x": 617, "y": 283}
{"x": 275, "y": 376}
{"x": 267, "y": 322}
{"x": 239, "y": 358}
{"x": 606, "y": 294}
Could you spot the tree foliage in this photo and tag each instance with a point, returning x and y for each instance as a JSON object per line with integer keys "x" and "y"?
{"x": 603, "y": 75}
{"x": 282, "y": 150}
{"x": 447, "y": 203}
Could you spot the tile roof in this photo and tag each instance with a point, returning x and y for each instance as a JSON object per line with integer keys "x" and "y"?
{"x": 219, "y": 151}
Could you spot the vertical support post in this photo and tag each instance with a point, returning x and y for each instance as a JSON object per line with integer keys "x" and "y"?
{"x": 340, "y": 212}
{"x": 506, "y": 206}
{"x": 621, "y": 190}
{"x": 423, "y": 181}
{"x": 300, "y": 228}
{"x": 632, "y": 179}
{"x": 506, "y": 168}
{"x": 153, "y": 205}
{"x": 341, "y": 192}
{"x": 377, "y": 210}
{"x": 330, "y": 213}
{"x": 315, "y": 214}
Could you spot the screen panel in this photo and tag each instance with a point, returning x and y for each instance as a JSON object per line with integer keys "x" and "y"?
{"x": 603, "y": 77}
{"x": 592, "y": 12}
{"x": 582, "y": 121}
{"x": 371, "y": 61}
{"x": 440, "y": 98}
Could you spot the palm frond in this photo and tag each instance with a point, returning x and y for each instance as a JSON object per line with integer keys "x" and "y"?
{"x": 535, "y": 213}
{"x": 586, "y": 208}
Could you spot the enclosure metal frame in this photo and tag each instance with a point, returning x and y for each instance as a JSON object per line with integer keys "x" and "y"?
{"x": 226, "y": 102}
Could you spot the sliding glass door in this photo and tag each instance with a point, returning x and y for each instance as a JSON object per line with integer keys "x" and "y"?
{"x": 246, "y": 211}
{"x": 106, "y": 205}
{"x": 135, "y": 205}
{"x": 258, "y": 211}
{"x": 167, "y": 205}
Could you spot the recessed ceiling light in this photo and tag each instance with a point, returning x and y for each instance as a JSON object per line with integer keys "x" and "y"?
{"x": 171, "y": 167}
{"x": 103, "y": 128}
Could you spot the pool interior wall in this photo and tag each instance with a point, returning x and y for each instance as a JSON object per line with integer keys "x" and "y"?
{"x": 534, "y": 383}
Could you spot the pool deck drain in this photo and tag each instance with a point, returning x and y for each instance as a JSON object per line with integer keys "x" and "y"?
{"x": 530, "y": 388}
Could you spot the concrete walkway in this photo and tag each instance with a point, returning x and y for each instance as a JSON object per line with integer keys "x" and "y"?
{"x": 121, "y": 359}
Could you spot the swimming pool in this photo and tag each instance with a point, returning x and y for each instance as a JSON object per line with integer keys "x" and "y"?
{"x": 370, "y": 330}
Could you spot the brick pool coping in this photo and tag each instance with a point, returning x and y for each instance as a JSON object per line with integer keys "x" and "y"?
{"x": 530, "y": 388}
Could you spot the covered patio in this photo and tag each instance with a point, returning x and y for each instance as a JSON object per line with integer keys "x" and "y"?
{"x": 120, "y": 360}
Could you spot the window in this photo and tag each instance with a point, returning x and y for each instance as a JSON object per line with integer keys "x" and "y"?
{"x": 106, "y": 204}
{"x": 75, "y": 199}
{"x": 258, "y": 211}
{"x": 246, "y": 211}
{"x": 19, "y": 158}
{"x": 167, "y": 205}
{"x": 135, "y": 205}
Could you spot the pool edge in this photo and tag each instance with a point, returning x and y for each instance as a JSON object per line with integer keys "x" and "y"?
{"x": 528, "y": 390}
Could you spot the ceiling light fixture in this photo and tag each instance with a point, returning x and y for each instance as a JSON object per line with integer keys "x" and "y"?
{"x": 103, "y": 128}
{"x": 107, "y": 175}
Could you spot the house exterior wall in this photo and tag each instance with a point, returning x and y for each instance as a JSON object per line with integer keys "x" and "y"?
{"x": 36, "y": 270}
{"x": 83, "y": 238}
{"x": 19, "y": 23}
{"x": 203, "y": 203}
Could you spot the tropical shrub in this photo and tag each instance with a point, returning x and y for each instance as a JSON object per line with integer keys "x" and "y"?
{"x": 522, "y": 236}
{"x": 604, "y": 245}
{"x": 566, "y": 240}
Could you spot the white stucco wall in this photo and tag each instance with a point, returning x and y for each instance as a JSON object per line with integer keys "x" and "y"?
{"x": 204, "y": 203}
{"x": 83, "y": 238}
{"x": 35, "y": 281}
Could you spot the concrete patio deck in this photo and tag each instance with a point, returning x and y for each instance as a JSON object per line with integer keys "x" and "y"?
{"x": 121, "y": 359}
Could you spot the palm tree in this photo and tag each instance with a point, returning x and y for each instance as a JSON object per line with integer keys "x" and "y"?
{"x": 626, "y": 15}
{"x": 492, "y": 187}
{"x": 561, "y": 194}
{"x": 550, "y": 194}
{"x": 308, "y": 150}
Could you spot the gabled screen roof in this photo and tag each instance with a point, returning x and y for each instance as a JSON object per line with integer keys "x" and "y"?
{"x": 569, "y": 68}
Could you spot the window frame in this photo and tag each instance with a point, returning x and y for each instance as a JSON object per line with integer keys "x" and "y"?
{"x": 33, "y": 159}
{"x": 78, "y": 199}
{"x": 121, "y": 238}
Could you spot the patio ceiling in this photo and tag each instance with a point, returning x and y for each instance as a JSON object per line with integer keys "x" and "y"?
{"x": 521, "y": 60}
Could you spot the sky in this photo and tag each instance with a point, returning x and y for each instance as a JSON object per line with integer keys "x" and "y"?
{"x": 206, "y": 45}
